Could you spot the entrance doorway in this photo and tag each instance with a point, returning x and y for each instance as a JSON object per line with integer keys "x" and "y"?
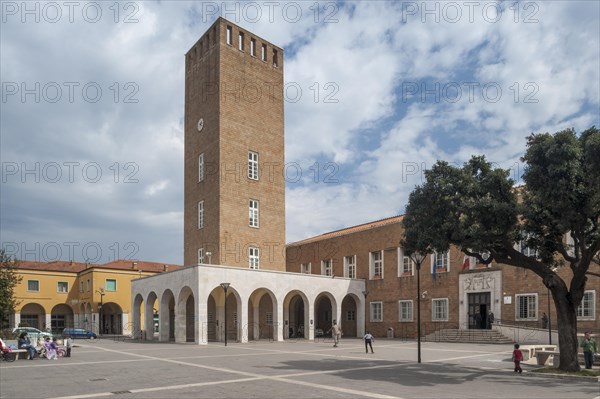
{"x": 479, "y": 307}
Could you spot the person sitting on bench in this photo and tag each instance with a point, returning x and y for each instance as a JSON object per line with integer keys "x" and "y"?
{"x": 25, "y": 343}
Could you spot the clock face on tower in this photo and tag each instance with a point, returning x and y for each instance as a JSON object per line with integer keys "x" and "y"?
{"x": 200, "y": 124}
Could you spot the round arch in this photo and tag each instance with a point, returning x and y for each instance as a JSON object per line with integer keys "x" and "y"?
{"x": 33, "y": 315}
{"x": 151, "y": 316}
{"x": 349, "y": 316}
{"x": 325, "y": 311}
{"x": 232, "y": 327}
{"x": 262, "y": 319}
{"x": 61, "y": 317}
{"x": 166, "y": 322}
{"x": 111, "y": 318}
{"x": 296, "y": 315}
{"x": 138, "y": 303}
{"x": 185, "y": 315}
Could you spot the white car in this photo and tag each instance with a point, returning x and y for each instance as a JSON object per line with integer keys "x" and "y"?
{"x": 32, "y": 333}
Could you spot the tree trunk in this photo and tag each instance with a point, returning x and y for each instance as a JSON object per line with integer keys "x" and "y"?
{"x": 567, "y": 331}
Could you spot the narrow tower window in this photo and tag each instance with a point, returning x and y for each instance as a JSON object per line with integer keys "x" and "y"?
{"x": 200, "y": 214}
{"x": 252, "y": 165}
{"x": 253, "y": 213}
{"x": 253, "y": 47}
{"x": 241, "y": 41}
{"x": 229, "y": 33}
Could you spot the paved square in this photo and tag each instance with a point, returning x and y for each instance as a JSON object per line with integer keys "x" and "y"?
{"x": 105, "y": 368}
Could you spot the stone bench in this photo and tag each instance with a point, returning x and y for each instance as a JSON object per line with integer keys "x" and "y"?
{"x": 544, "y": 356}
{"x": 530, "y": 351}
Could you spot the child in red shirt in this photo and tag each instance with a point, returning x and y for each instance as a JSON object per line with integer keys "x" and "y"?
{"x": 517, "y": 358}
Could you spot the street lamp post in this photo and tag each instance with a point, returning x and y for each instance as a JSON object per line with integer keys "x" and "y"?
{"x": 549, "y": 320}
{"x": 365, "y": 293}
{"x": 417, "y": 257}
{"x": 100, "y": 313}
{"x": 225, "y": 287}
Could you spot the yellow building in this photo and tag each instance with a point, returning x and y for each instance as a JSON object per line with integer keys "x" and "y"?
{"x": 55, "y": 295}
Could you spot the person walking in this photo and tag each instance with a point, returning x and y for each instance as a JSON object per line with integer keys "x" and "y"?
{"x": 69, "y": 344}
{"x": 368, "y": 342}
{"x": 336, "y": 334}
{"x": 589, "y": 350}
{"x": 517, "y": 357}
{"x": 25, "y": 343}
{"x": 490, "y": 320}
{"x": 544, "y": 320}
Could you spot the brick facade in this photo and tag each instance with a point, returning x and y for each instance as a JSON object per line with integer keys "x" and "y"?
{"x": 239, "y": 96}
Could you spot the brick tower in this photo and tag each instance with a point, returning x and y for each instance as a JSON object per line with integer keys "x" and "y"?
{"x": 234, "y": 211}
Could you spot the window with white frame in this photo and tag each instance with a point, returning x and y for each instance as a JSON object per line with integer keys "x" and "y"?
{"x": 350, "y": 266}
{"x": 263, "y": 54}
{"x": 200, "y": 255}
{"x": 525, "y": 250}
{"x": 439, "y": 309}
{"x": 254, "y": 257}
{"x": 441, "y": 262}
{"x": 229, "y": 35}
{"x": 305, "y": 268}
{"x": 376, "y": 311}
{"x": 269, "y": 317}
{"x": 405, "y": 310}
{"x": 376, "y": 267}
{"x": 587, "y": 308}
{"x": 350, "y": 315}
{"x": 275, "y": 60}
{"x": 200, "y": 214}
{"x": 241, "y": 41}
{"x": 253, "y": 213}
{"x": 33, "y": 285}
{"x": 326, "y": 267}
{"x": 201, "y": 167}
{"x": 253, "y": 47}
{"x": 110, "y": 284}
{"x": 407, "y": 266}
{"x": 252, "y": 165}
{"x": 62, "y": 287}
{"x": 526, "y": 308}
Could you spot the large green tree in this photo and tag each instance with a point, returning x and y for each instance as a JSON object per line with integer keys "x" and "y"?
{"x": 556, "y": 213}
{"x": 8, "y": 281}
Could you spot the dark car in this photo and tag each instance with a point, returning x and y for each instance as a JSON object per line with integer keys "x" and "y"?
{"x": 78, "y": 333}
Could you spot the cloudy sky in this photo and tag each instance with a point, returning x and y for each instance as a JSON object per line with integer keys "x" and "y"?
{"x": 92, "y": 108}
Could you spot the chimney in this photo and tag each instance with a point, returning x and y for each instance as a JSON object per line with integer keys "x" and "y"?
{"x": 134, "y": 265}
{"x": 165, "y": 268}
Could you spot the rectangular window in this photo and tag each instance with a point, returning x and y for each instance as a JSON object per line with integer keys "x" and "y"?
{"x": 111, "y": 284}
{"x": 376, "y": 311}
{"x": 81, "y": 286}
{"x": 62, "y": 286}
{"x": 407, "y": 266}
{"x": 269, "y": 318}
{"x": 252, "y": 165}
{"x": 326, "y": 267}
{"x": 33, "y": 285}
{"x": 253, "y": 47}
{"x": 405, "y": 310}
{"x": 439, "y": 309}
{"x": 241, "y": 41}
{"x": 376, "y": 268}
{"x": 253, "y": 213}
{"x": 441, "y": 262}
{"x": 263, "y": 54}
{"x": 201, "y": 167}
{"x": 254, "y": 257}
{"x": 275, "y": 58}
{"x": 229, "y": 35}
{"x": 526, "y": 308}
{"x": 351, "y": 315}
{"x": 305, "y": 268}
{"x": 88, "y": 285}
{"x": 350, "y": 266}
{"x": 587, "y": 307}
{"x": 200, "y": 255}
{"x": 200, "y": 214}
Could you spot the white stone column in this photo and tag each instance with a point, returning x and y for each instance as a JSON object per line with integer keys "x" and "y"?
{"x": 243, "y": 320}
{"x": 201, "y": 323}
{"x": 48, "y": 321}
{"x": 125, "y": 324}
{"x": 256, "y": 324}
{"x": 17, "y": 319}
{"x": 221, "y": 321}
{"x": 309, "y": 313}
{"x": 361, "y": 317}
{"x": 278, "y": 323}
{"x": 180, "y": 321}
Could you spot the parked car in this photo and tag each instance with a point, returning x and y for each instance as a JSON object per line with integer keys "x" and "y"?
{"x": 319, "y": 332}
{"x": 79, "y": 333}
{"x": 33, "y": 333}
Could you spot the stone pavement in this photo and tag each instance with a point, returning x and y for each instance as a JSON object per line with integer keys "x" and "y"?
{"x": 298, "y": 369}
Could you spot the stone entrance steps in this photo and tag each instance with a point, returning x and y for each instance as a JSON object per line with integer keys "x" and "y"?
{"x": 470, "y": 336}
